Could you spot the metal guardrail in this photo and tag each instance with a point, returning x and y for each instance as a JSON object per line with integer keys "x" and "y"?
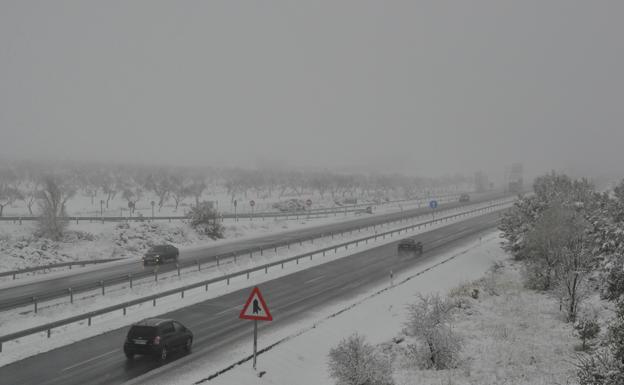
{"x": 14, "y": 273}
{"x": 102, "y": 284}
{"x": 244, "y": 215}
{"x": 181, "y": 290}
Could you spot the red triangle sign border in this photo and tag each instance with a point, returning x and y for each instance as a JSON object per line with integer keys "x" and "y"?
{"x": 267, "y": 317}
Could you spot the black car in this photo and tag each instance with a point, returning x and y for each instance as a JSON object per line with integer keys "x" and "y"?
{"x": 157, "y": 337}
{"x": 161, "y": 254}
{"x": 464, "y": 198}
{"x": 410, "y": 245}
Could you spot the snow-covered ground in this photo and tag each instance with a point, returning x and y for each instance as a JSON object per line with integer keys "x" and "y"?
{"x": 21, "y": 319}
{"x": 379, "y": 315}
{"x": 19, "y": 248}
{"x": 511, "y": 335}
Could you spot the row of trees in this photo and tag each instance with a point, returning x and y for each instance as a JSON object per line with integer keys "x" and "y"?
{"x": 568, "y": 233}
{"x": 22, "y": 181}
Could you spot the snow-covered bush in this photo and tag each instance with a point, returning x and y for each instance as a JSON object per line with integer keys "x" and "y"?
{"x": 203, "y": 218}
{"x": 356, "y": 362}
{"x": 429, "y": 322}
{"x": 587, "y": 329}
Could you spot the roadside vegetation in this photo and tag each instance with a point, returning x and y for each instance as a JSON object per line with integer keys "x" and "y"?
{"x": 53, "y": 191}
{"x": 552, "y": 314}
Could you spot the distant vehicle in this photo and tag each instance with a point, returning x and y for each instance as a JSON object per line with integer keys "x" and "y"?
{"x": 290, "y": 205}
{"x": 161, "y": 254}
{"x": 464, "y": 198}
{"x": 157, "y": 337}
{"x": 410, "y": 245}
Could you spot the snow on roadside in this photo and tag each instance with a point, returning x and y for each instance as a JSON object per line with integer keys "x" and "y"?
{"x": 19, "y": 319}
{"x": 302, "y": 359}
{"x": 19, "y": 248}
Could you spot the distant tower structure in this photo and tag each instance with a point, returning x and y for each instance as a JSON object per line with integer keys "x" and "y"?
{"x": 514, "y": 178}
{"x": 481, "y": 181}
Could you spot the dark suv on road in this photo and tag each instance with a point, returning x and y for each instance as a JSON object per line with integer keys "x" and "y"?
{"x": 409, "y": 245}
{"x": 157, "y": 337}
{"x": 161, "y": 254}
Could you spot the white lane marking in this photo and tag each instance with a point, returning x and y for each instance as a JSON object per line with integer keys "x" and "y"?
{"x": 90, "y": 359}
{"x": 313, "y": 279}
{"x": 227, "y": 310}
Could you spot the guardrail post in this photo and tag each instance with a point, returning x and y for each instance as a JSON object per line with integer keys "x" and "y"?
{"x": 49, "y": 332}
{"x": 124, "y": 310}
{"x": 14, "y": 275}
{"x": 261, "y": 252}
{"x": 102, "y": 284}
{"x": 247, "y": 275}
{"x": 71, "y": 295}
{"x": 182, "y": 294}
{"x": 282, "y": 265}
{"x": 234, "y": 258}
{"x": 266, "y": 269}
{"x": 155, "y": 275}
{"x": 198, "y": 265}
{"x": 89, "y": 321}
{"x": 217, "y": 258}
{"x": 34, "y": 299}
{"x": 206, "y": 287}
{"x": 297, "y": 260}
{"x": 154, "y": 302}
{"x": 0, "y": 347}
{"x": 130, "y": 279}
{"x": 178, "y": 268}
{"x": 228, "y": 280}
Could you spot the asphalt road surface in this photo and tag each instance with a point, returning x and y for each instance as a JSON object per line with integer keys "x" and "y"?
{"x": 215, "y": 323}
{"x": 45, "y": 286}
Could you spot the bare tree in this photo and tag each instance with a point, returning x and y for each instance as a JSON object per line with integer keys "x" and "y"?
{"x": 54, "y": 195}
{"x": 29, "y": 194}
{"x": 132, "y": 195}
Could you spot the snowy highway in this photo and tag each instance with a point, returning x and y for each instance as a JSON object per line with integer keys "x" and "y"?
{"x": 215, "y": 323}
{"x": 57, "y": 286}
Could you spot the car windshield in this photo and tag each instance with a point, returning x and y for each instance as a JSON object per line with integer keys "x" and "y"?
{"x": 157, "y": 249}
{"x": 142, "y": 331}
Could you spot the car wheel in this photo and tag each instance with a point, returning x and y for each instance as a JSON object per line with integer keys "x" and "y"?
{"x": 188, "y": 345}
{"x": 163, "y": 353}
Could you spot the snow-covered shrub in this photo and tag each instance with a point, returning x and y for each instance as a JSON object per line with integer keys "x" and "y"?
{"x": 429, "y": 322}
{"x": 600, "y": 368}
{"x": 203, "y": 218}
{"x": 356, "y": 362}
{"x": 614, "y": 279}
{"x": 586, "y": 329}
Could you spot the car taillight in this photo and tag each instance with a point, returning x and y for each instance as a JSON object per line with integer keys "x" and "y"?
{"x": 157, "y": 340}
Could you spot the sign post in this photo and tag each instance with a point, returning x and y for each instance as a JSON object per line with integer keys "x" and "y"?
{"x": 235, "y": 217}
{"x": 255, "y": 309}
{"x": 309, "y": 203}
{"x": 252, "y": 203}
{"x": 433, "y": 204}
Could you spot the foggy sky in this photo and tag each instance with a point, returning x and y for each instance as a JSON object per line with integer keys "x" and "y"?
{"x": 418, "y": 87}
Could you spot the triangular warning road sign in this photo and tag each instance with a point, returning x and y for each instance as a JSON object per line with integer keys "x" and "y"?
{"x": 255, "y": 308}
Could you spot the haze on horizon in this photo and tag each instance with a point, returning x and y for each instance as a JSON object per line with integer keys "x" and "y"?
{"x": 421, "y": 88}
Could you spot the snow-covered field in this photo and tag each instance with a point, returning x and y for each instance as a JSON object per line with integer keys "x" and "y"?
{"x": 20, "y": 319}
{"x": 511, "y": 335}
{"x": 19, "y": 248}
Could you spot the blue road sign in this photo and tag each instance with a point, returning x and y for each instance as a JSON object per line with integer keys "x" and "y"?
{"x": 433, "y": 204}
